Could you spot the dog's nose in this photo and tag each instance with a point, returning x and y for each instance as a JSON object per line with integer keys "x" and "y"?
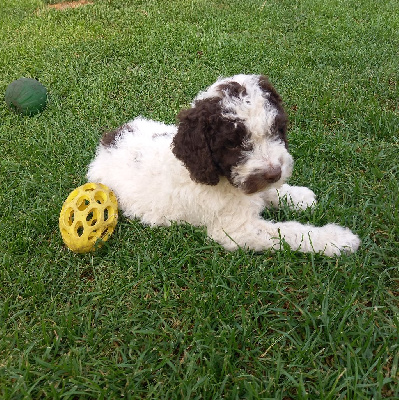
{"x": 273, "y": 174}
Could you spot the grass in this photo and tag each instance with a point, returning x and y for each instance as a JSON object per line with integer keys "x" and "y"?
{"x": 165, "y": 312}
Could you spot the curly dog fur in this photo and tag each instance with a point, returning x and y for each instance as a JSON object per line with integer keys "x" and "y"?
{"x": 225, "y": 161}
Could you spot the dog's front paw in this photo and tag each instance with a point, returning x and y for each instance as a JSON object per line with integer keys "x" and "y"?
{"x": 301, "y": 198}
{"x": 339, "y": 240}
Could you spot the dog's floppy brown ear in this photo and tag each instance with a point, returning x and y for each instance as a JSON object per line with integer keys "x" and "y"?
{"x": 190, "y": 144}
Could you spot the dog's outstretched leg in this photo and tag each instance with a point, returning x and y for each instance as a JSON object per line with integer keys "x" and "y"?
{"x": 260, "y": 235}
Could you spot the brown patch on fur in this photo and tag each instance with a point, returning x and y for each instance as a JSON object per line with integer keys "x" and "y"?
{"x": 109, "y": 139}
{"x": 207, "y": 143}
{"x": 260, "y": 181}
{"x": 233, "y": 89}
{"x": 267, "y": 87}
{"x": 281, "y": 121}
{"x": 280, "y": 127}
{"x": 70, "y": 4}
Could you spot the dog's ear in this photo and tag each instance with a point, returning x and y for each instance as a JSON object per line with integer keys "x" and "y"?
{"x": 191, "y": 142}
{"x": 268, "y": 88}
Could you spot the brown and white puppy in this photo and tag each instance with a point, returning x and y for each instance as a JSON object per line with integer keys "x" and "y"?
{"x": 225, "y": 161}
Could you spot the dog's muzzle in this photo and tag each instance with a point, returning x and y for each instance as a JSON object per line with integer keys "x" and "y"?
{"x": 261, "y": 180}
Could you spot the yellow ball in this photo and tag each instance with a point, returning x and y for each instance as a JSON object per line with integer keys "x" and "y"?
{"x": 89, "y": 215}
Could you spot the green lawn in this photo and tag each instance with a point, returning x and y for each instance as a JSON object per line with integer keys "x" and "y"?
{"x": 165, "y": 313}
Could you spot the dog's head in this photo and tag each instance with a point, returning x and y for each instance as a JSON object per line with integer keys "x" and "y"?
{"x": 236, "y": 129}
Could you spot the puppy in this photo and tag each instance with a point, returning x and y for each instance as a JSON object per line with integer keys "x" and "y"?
{"x": 225, "y": 161}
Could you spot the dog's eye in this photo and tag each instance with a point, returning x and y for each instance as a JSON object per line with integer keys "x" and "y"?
{"x": 233, "y": 147}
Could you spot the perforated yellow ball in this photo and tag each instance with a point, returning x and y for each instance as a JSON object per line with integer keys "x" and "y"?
{"x": 88, "y": 217}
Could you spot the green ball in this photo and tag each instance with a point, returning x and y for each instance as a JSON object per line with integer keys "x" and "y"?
{"x": 26, "y": 96}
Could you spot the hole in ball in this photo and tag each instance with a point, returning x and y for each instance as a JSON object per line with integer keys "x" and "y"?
{"x": 79, "y": 228}
{"x": 82, "y": 203}
{"x": 100, "y": 197}
{"x": 92, "y": 217}
{"x": 69, "y": 217}
{"x": 104, "y": 233}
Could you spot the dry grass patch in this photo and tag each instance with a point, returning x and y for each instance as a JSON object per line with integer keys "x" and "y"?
{"x": 69, "y": 4}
